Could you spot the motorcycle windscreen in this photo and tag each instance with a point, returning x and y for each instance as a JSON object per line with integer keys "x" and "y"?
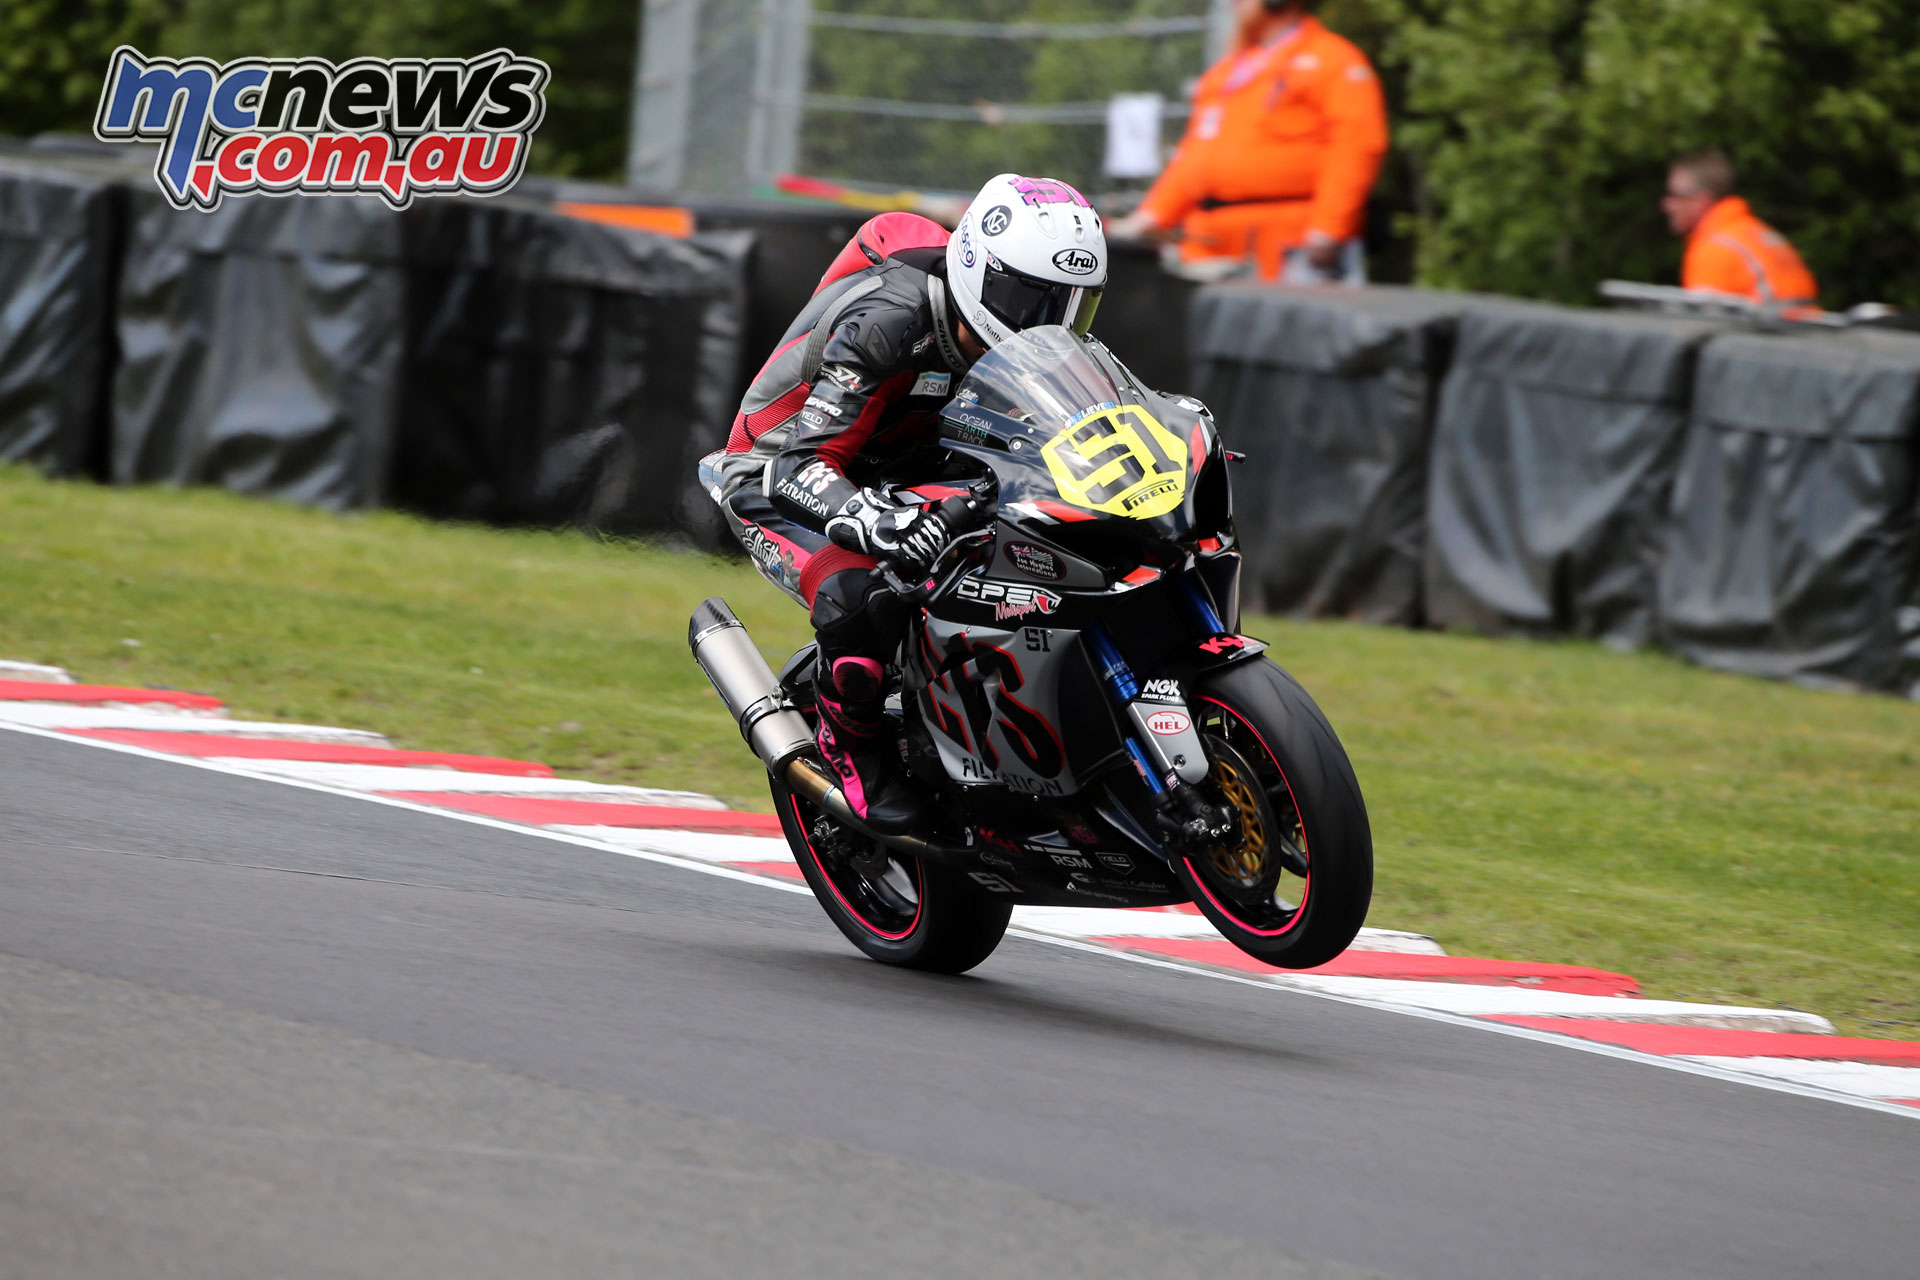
{"x": 1101, "y": 447}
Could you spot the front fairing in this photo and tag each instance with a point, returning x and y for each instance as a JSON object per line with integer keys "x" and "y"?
{"x": 1066, "y": 431}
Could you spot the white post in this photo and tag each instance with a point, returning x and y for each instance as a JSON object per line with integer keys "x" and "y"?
{"x": 663, "y": 93}
{"x": 779, "y": 89}
{"x": 1219, "y": 30}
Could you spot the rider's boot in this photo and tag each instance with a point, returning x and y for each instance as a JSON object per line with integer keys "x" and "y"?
{"x": 857, "y": 743}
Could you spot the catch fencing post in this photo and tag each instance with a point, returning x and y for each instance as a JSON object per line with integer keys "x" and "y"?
{"x": 663, "y": 93}
{"x": 779, "y": 89}
{"x": 1219, "y": 30}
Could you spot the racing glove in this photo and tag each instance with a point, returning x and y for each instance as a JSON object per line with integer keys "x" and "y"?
{"x": 909, "y": 538}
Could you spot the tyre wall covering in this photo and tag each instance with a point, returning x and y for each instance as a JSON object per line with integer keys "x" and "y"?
{"x": 1143, "y": 316}
{"x": 59, "y": 233}
{"x": 1330, "y": 394}
{"x": 260, "y": 348}
{"x": 1553, "y": 455}
{"x": 562, "y": 371}
{"x": 1792, "y": 550}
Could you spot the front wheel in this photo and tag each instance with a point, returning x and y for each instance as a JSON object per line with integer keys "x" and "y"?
{"x": 897, "y": 908}
{"x": 1293, "y": 885}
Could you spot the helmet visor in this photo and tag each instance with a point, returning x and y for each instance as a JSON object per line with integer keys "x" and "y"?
{"x": 1022, "y": 302}
{"x": 1080, "y": 320}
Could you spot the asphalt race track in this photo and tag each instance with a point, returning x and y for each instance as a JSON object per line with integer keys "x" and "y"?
{"x": 249, "y": 1030}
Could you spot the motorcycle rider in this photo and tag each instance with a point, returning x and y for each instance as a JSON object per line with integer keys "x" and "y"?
{"x": 850, "y": 401}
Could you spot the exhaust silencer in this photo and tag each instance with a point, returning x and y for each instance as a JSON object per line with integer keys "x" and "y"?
{"x": 777, "y": 733}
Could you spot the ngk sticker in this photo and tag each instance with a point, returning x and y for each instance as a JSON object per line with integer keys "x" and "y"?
{"x": 1010, "y": 600}
{"x": 1169, "y": 723}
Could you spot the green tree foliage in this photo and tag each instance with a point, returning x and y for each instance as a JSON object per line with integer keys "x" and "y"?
{"x": 1538, "y": 133}
{"x": 590, "y": 44}
{"x": 53, "y": 54}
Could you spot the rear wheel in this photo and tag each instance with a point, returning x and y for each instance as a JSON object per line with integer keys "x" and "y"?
{"x": 897, "y": 908}
{"x": 1293, "y": 885}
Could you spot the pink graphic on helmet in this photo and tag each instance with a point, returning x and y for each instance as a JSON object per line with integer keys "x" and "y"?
{"x": 1039, "y": 191}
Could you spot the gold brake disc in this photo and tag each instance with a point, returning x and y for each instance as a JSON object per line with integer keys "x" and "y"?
{"x": 1244, "y": 862}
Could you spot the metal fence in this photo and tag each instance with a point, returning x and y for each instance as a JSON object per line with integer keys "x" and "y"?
{"x": 937, "y": 95}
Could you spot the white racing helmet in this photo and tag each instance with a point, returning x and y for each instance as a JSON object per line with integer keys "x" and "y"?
{"x": 1028, "y": 252}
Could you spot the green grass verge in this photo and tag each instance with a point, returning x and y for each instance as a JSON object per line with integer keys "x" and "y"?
{"x": 1720, "y": 838}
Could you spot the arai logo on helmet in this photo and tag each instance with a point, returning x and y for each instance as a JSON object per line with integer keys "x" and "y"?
{"x": 1076, "y": 262}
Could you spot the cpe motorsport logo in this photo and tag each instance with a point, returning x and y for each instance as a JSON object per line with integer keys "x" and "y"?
{"x": 396, "y": 127}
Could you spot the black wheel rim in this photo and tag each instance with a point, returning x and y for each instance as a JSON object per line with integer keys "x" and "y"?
{"x": 1263, "y": 881}
{"x": 882, "y": 891}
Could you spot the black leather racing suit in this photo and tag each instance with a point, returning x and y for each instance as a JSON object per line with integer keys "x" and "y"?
{"x": 801, "y": 448}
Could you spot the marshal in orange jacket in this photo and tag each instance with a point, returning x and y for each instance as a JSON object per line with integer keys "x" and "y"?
{"x": 1283, "y": 140}
{"x": 1732, "y": 251}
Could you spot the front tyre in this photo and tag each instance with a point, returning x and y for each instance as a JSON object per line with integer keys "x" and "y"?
{"x": 897, "y": 908}
{"x": 1293, "y": 886}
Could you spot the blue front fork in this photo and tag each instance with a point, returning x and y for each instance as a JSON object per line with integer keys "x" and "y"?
{"x": 1123, "y": 686}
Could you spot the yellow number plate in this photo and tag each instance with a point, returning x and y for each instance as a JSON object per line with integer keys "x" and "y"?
{"x": 1120, "y": 461}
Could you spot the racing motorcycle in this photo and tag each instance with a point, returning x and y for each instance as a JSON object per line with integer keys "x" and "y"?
{"x": 1073, "y": 694}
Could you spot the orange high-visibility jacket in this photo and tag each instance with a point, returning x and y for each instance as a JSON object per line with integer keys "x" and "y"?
{"x": 1731, "y": 251}
{"x": 1275, "y": 149}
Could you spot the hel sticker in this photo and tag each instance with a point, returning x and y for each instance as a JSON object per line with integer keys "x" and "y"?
{"x": 996, "y": 220}
{"x": 1120, "y": 461}
{"x": 1169, "y": 724}
{"x": 932, "y": 384}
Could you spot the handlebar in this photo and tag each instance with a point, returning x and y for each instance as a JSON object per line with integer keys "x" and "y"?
{"x": 971, "y": 520}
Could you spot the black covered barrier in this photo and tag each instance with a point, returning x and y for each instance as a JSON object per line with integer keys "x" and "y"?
{"x": 560, "y": 370}
{"x": 1329, "y": 392}
{"x": 260, "y": 348}
{"x": 1793, "y": 551}
{"x": 59, "y": 234}
{"x": 1552, "y": 459}
{"x": 1143, "y": 317}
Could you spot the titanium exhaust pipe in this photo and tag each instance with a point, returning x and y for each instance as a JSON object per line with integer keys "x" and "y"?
{"x": 778, "y": 734}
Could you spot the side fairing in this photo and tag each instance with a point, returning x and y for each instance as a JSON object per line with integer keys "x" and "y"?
{"x": 990, "y": 697}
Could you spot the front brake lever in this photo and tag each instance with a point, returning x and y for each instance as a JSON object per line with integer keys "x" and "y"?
{"x": 939, "y": 578}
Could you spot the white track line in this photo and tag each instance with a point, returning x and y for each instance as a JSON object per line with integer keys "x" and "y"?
{"x": 1708, "y": 1070}
{"x": 1527, "y": 1002}
{"x": 386, "y": 777}
{"x": 34, "y": 673}
{"x": 48, "y": 715}
{"x": 1866, "y": 1079}
{"x": 56, "y": 712}
{"x": 706, "y": 846}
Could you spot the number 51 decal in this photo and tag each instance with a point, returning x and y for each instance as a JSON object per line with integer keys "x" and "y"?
{"x": 1120, "y": 461}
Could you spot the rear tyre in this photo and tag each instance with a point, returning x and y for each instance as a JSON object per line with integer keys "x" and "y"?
{"x": 1293, "y": 887}
{"x": 897, "y": 908}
